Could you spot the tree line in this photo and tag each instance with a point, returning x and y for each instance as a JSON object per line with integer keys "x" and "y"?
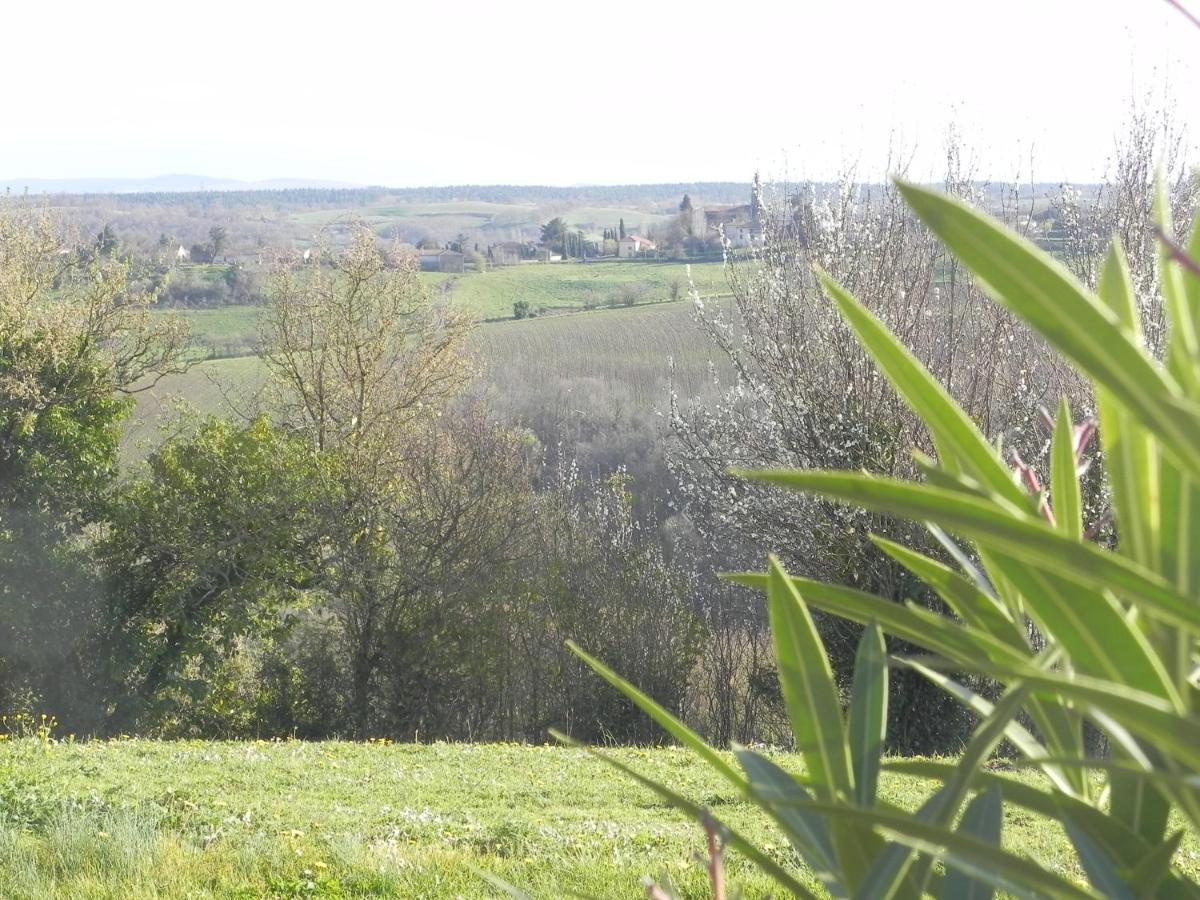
{"x": 368, "y": 554}
{"x": 379, "y": 547}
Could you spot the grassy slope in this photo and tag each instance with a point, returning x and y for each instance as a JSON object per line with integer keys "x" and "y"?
{"x": 199, "y": 819}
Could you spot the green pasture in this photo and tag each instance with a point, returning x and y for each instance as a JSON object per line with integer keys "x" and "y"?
{"x": 135, "y": 819}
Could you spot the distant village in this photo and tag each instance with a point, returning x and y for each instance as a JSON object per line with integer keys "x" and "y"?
{"x": 694, "y": 232}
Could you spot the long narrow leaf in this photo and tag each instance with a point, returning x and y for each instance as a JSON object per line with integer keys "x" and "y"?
{"x": 1064, "y": 480}
{"x": 995, "y": 865}
{"x": 1041, "y": 291}
{"x": 1130, "y": 451}
{"x": 969, "y": 603}
{"x": 896, "y": 862}
{"x": 960, "y": 444}
{"x": 982, "y": 820}
{"x": 780, "y": 796}
{"x": 1101, "y": 870}
{"x": 868, "y": 713}
{"x": 808, "y": 688}
{"x": 1183, "y": 343}
{"x": 669, "y": 723}
{"x": 937, "y": 635}
{"x": 1125, "y": 845}
{"x": 1022, "y": 536}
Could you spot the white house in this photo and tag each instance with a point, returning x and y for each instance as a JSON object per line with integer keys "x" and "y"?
{"x": 631, "y": 245}
{"x": 743, "y": 235}
{"x": 182, "y": 254}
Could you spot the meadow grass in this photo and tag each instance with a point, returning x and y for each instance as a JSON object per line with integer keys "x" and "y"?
{"x": 139, "y": 819}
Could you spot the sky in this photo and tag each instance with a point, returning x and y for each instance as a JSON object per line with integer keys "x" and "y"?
{"x": 537, "y": 92}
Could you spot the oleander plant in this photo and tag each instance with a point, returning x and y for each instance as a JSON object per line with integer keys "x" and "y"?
{"x": 1079, "y": 628}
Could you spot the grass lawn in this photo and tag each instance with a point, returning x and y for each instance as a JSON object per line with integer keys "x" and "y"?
{"x": 139, "y": 819}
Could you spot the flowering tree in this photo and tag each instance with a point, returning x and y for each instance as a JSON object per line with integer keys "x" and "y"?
{"x": 805, "y": 394}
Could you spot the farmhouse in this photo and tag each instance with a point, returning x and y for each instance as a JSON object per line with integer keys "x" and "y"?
{"x": 742, "y": 226}
{"x": 442, "y": 261}
{"x": 506, "y": 253}
{"x": 632, "y": 245}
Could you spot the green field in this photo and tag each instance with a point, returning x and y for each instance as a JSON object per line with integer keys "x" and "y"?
{"x": 627, "y": 353}
{"x": 634, "y": 354}
{"x": 450, "y": 218}
{"x": 567, "y": 286}
{"x": 143, "y": 819}
{"x": 547, "y": 287}
{"x": 226, "y": 330}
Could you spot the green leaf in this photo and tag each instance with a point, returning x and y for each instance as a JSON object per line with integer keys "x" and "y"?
{"x": 1138, "y": 803}
{"x": 1093, "y": 628}
{"x": 1029, "y": 746}
{"x": 960, "y": 444}
{"x": 1152, "y": 719}
{"x": 1191, "y": 284}
{"x": 1183, "y": 346}
{"x": 1064, "y": 480}
{"x": 808, "y": 688}
{"x": 780, "y": 796}
{"x": 1101, "y": 871}
{"x": 1131, "y": 457}
{"x": 1155, "y": 867}
{"x": 895, "y": 863}
{"x": 937, "y": 634}
{"x": 1029, "y": 283}
{"x": 981, "y": 820}
{"x": 1118, "y": 840}
{"x": 970, "y": 569}
{"x": 1020, "y": 535}
{"x": 994, "y": 865}
{"x": 868, "y": 713}
{"x": 963, "y": 596}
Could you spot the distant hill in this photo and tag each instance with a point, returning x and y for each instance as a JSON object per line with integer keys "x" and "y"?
{"x": 173, "y": 189}
{"x": 162, "y": 184}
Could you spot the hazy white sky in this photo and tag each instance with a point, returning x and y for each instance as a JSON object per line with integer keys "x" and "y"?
{"x": 557, "y": 93}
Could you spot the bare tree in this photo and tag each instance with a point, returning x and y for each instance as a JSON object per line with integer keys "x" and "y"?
{"x": 363, "y": 364}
